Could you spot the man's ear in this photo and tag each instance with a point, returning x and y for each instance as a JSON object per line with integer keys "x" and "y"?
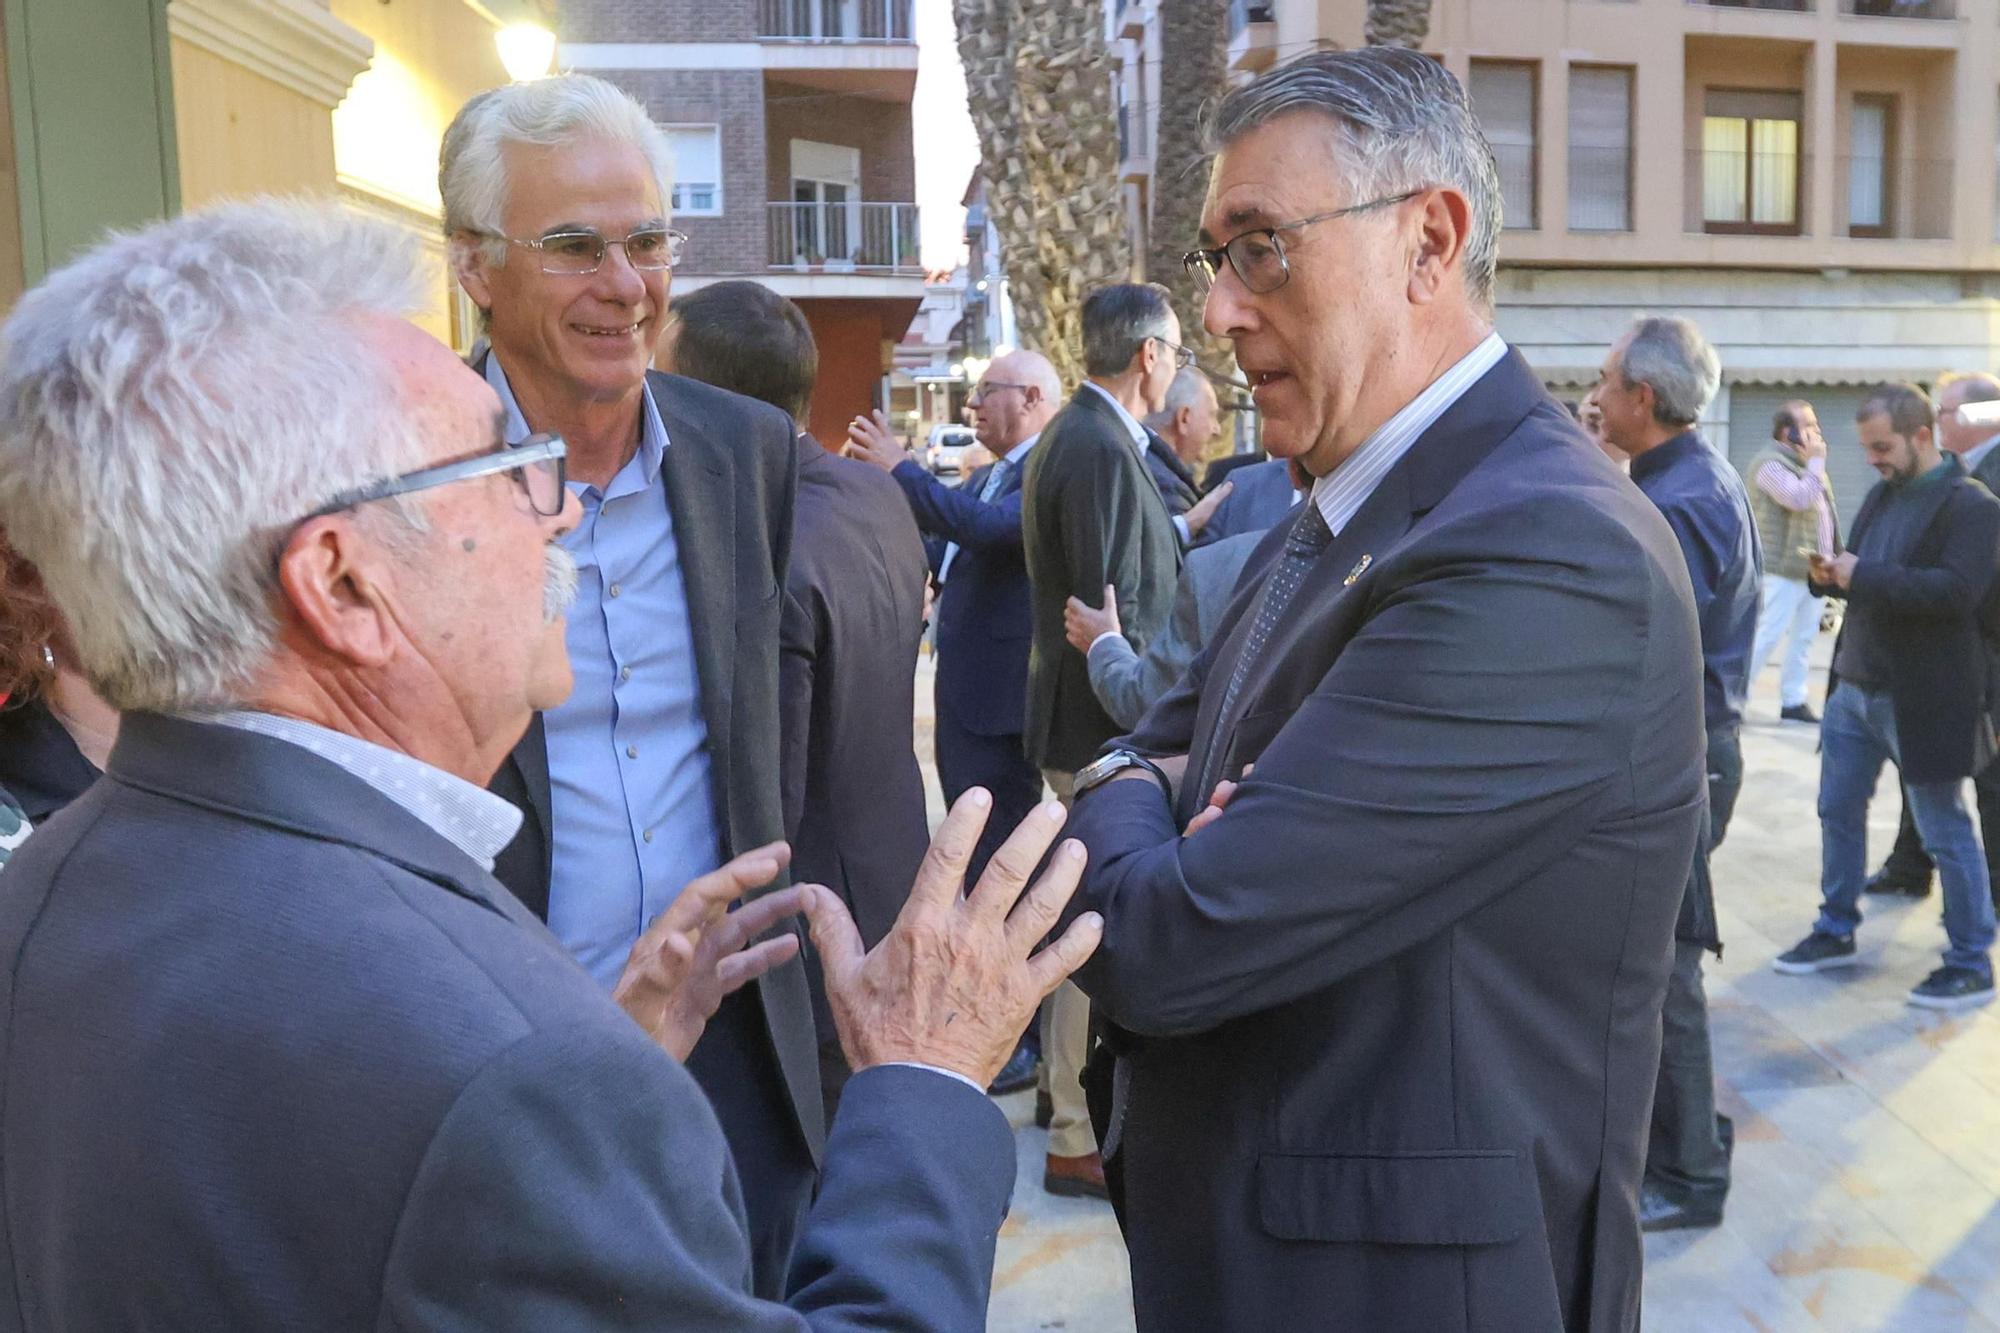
{"x": 468, "y": 265}
{"x": 334, "y": 583}
{"x": 1444, "y": 224}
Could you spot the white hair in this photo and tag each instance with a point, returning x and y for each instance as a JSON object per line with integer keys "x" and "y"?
{"x": 1670, "y": 354}
{"x": 171, "y": 405}
{"x": 472, "y": 162}
{"x": 1185, "y": 391}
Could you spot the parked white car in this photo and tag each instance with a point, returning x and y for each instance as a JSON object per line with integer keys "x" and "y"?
{"x": 945, "y": 450}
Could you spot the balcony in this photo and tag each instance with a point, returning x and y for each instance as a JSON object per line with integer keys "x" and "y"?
{"x": 858, "y": 21}
{"x": 1901, "y": 9}
{"x": 1253, "y": 35}
{"x": 1129, "y": 19}
{"x": 1782, "y": 6}
{"x": 1135, "y": 140}
{"x": 1894, "y": 198}
{"x": 839, "y": 237}
{"x": 1600, "y": 189}
{"x": 1745, "y": 193}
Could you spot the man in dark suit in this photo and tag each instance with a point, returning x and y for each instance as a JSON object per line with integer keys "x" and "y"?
{"x": 1911, "y": 685}
{"x": 1091, "y": 516}
{"x": 982, "y": 606}
{"x": 1658, "y": 380}
{"x": 1387, "y": 1010}
{"x": 271, "y": 1033}
{"x": 1909, "y": 868}
{"x": 854, "y": 612}
{"x": 1258, "y": 497}
{"x": 664, "y": 760}
{"x": 1176, "y": 438}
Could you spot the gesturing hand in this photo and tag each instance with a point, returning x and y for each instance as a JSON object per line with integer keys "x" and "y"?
{"x": 1204, "y": 509}
{"x": 870, "y": 440}
{"x": 693, "y": 954}
{"x": 956, "y": 980}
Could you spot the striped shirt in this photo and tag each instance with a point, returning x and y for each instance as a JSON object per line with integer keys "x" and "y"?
{"x": 470, "y": 818}
{"x": 1341, "y": 492}
{"x": 1799, "y": 492}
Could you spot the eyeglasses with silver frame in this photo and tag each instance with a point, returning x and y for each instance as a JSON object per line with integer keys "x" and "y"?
{"x": 1258, "y": 256}
{"x": 576, "y": 253}
{"x": 538, "y": 464}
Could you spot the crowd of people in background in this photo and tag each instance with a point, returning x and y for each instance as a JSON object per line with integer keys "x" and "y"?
{"x": 403, "y": 760}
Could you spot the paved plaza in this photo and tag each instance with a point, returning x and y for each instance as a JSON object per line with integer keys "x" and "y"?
{"x": 1867, "y": 1183}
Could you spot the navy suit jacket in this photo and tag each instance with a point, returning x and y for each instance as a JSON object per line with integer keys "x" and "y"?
{"x": 1171, "y": 475}
{"x": 1391, "y": 1025}
{"x": 1263, "y": 496}
{"x": 983, "y": 614}
{"x": 274, "y": 1054}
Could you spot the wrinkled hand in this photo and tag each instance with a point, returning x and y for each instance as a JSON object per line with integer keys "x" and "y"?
{"x": 1836, "y": 572}
{"x": 1082, "y": 625}
{"x": 1812, "y": 444}
{"x": 870, "y": 440}
{"x": 1197, "y": 517}
{"x": 693, "y": 954}
{"x": 956, "y": 980}
{"x": 1218, "y": 801}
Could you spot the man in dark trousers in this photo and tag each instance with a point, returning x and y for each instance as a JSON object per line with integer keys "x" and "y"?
{"x": 1911, "y": 685}
{"x": 1909, "y": 869}
{"x": 1657, "y": 381}
{"x": 1386, "y": 1010}
{"x": 982, "y": 606}
{"x": 854, "y": 612}
{"x": 664, "y": 759}
{"x": 1092, "y": 516}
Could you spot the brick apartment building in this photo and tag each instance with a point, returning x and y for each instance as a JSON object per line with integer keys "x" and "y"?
{"x": 794, "y": 162}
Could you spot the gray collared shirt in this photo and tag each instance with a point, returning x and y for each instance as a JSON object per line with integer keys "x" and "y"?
{"x": 470, "y": 818}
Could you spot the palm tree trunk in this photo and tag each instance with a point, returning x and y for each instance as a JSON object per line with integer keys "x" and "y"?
{"x": 1398, "y": 22}
{"x": 1194, "y": 72}
{"x": 1038, "y": 77}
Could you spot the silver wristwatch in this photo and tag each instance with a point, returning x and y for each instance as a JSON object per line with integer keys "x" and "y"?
{"x": 1103, "y": 768}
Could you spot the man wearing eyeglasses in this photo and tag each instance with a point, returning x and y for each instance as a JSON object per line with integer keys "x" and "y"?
{"x": 663, "y": 761}
{"x": 1390, "y": 879}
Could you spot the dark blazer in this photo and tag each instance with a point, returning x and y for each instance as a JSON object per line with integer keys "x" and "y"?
{"x": 296, "y": 1062}
{"x": 1940, "y": 612}
{"x": 1400, "y": 1005}
{"x": 1091, "y": 515}
{"x": 1222, "y": 469}
{"x": 1171, "y": 475}
{"x": 854, "y": 612}
{"x": 40, "y": 766}
{"x": 1987, "y": 474}
{"x": 1263, "y": 496}
{"x": 731, "y": 475}
{"x": 983, "y": 618}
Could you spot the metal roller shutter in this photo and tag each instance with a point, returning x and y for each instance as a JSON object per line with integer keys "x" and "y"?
{"x": 1751, "y": 407}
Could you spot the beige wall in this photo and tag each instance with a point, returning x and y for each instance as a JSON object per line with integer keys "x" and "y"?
{"x": 240, "y": 133}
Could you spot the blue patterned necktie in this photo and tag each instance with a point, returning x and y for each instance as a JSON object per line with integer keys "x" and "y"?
{"x": 1304, "y": 545}
{"x": 994, "y": 480}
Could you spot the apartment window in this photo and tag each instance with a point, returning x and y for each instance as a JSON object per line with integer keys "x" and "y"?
{"x": 697, "y": 170}
{"x": 1750, "y": 162}
{"x": 1600, "y": 148}
{"x": 1871, "y": 132}
{"x": 1503, "y": 97}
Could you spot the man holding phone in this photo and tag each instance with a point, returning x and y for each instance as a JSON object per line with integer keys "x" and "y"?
{"x": 1792, "y": 498}
{"x": 1909, "y": 685}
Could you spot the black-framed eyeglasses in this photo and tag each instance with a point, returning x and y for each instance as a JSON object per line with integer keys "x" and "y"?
{"x": 576, "y": 253}
{"x": 1183, "y": 356}
{"x": 538, "y": 464}
{"x": 1258, "y": 257}
{"x": 982, "y": 389}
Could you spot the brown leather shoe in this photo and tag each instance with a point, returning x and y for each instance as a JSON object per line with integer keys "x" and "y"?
{"x": 1075, "y": 1177}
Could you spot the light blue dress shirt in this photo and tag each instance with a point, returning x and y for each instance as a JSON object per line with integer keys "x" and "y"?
{"x": 629, "y": 786}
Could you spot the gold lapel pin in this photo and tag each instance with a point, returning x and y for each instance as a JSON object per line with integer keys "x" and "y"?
{"x": 1360, "y": 568}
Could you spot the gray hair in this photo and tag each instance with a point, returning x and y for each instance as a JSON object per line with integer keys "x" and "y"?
{"x": 1185, "y": 391}
{"x": 1670, "y": 354}
{"x": 171, "y": 405}
{"x": 1118, "y": 319}
{"x": 1401, "y": 122}
{"x": 472, "y": 162}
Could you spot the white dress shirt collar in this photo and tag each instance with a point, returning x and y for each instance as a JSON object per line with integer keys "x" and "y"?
{"x": 1125, "y": 418}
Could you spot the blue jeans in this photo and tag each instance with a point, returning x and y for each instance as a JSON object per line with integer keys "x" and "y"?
{"x": 1857, "y": 734}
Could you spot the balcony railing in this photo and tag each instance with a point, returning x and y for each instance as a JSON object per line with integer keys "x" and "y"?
{"x": 1516, "y": 163}
{"x": 1243, "y": 13}
{"x": 1753, "y": 194}
{"x": 845, "y": 238}
{"x": 1786, "y": 6}
{"x": 1906, "y": 198}
{"x": 1133, "y": 132}
{"x": 1901, "y": 9}
{"x": 835, "y": 21}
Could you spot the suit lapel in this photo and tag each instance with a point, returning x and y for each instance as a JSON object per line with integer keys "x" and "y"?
{"x": 699, "y": 474}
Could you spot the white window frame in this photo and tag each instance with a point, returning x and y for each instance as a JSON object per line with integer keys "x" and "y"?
{"x": 673, "y": 205}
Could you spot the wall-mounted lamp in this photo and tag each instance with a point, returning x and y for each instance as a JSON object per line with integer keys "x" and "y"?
{"x": 526, "y": 49}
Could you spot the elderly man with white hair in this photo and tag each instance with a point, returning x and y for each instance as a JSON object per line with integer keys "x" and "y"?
{"x": 664, "y": 759}
{"x": 278, "y": 1050}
